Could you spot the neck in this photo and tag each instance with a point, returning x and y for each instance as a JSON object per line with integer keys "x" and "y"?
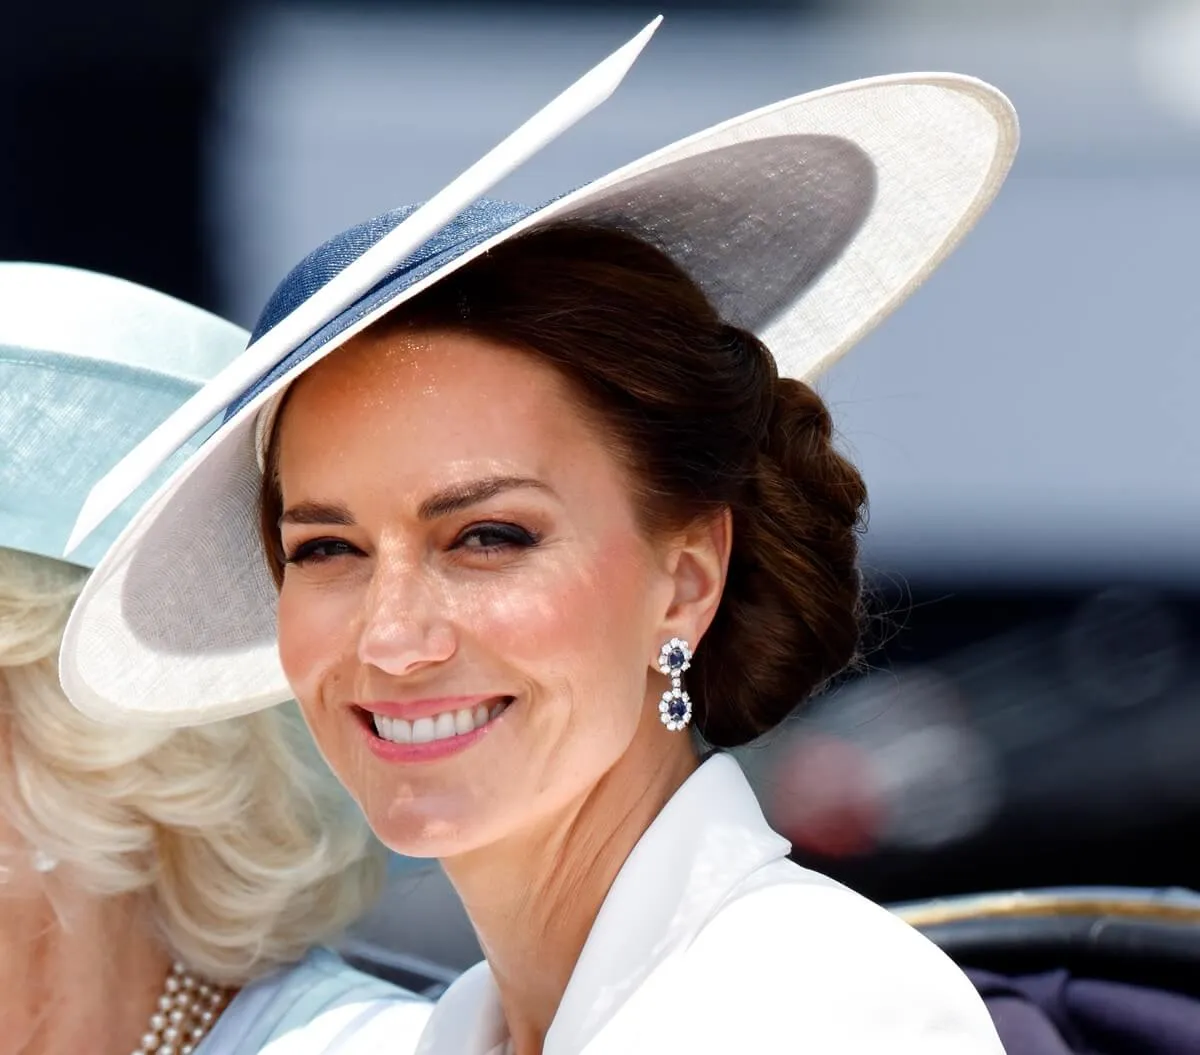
{"x": 77, "y": 972}
{"x": 534, "y": 897}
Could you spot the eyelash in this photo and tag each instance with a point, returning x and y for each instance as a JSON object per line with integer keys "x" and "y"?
{"x": 510, "y": 535}
{"x": 310, "y": 552}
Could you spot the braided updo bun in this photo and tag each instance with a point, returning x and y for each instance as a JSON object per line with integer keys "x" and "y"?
{"x": 791, "y": 611}
{"x": 703, "y": 422}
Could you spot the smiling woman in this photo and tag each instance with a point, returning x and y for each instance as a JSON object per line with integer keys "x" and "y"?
{"x": 458, "y": 500}
{"x": 544, "y": 525}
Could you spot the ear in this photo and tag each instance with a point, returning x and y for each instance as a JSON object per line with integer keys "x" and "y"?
{"x": 698, "y": 564}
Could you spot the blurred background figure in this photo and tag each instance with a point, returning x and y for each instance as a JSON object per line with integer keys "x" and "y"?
{"x": 1027, "y": 426}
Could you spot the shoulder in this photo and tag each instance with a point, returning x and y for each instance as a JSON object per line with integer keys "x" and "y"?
{"x": 320, "y": 1004}
{"x": 817, "y": 962}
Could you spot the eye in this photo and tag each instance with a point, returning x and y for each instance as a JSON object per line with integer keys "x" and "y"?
{"x": 492, "y": 537}
{"x": 319, "y": 550}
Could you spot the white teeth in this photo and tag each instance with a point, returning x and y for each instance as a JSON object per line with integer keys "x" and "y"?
{"x": 398, "y": 730}
{"x": 441, "y": 727}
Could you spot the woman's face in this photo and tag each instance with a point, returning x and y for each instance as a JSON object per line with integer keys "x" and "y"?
{"x": 469, "y": 611}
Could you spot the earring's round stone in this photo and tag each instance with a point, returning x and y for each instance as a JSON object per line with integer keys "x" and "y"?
{"x": 676, "y": 659}
{"x": 678, "y": 709}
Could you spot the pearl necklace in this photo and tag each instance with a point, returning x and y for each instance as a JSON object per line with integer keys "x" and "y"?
{"x": 186, "y": 1012}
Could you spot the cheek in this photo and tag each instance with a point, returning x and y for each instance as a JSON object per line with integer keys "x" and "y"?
{"x": 581, "y": 625}
{"x": 315, "y": 635}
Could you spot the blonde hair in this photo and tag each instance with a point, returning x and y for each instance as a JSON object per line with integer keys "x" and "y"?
{"x": 246, "y": 845}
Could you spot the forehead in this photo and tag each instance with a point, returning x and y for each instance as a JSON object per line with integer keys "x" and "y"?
{"x": 428, "y": 398}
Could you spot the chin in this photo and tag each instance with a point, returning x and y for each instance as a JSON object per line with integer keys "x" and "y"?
{"x": 426, "y": 829}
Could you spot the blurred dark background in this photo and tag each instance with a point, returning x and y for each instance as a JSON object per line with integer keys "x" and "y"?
{"x": 1027, "y": 424}
{"x": 104, "y": 110}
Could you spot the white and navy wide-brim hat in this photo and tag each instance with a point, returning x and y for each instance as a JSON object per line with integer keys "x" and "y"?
{"x": 89, "y": 365}
{"x": 807, "y": 222}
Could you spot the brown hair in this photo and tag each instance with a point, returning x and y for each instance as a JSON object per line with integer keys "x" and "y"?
{"x": 704, "y": 422}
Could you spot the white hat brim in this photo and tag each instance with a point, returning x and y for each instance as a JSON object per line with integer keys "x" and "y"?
{"x": 807, "y": 221}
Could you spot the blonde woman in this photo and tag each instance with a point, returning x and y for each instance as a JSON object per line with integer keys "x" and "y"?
{"x": 160, "y": 891}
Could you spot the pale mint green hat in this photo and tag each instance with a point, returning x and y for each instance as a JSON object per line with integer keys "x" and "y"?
{"x": 89, "y": 365}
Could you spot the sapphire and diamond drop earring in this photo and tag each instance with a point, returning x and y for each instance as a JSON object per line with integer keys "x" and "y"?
{"x": 675, "y": 709}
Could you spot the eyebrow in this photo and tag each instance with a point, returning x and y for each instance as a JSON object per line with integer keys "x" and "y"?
{"x": 461, "y": 496}
{"x": 317, "y": 513}
{"x": 443, "y": 503}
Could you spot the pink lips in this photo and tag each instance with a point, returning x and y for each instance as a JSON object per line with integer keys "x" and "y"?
{"x": 428, "y": 729}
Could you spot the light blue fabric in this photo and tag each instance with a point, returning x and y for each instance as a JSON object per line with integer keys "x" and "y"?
{"x": 89, "y": 365}
{"x": 283, "y": 1012}
{"x": 65, "y": 421}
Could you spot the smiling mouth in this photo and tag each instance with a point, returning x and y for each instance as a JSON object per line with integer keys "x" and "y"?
{"x": 442, "y": 726}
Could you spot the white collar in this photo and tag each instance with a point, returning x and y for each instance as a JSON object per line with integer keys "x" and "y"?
{"x": 707, "y": 840}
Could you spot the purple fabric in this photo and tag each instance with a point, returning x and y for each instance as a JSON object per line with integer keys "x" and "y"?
{"x": 1057, "y": 1014}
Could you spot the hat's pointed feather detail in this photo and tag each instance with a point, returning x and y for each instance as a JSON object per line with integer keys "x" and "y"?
{"x": 593, "y": 88}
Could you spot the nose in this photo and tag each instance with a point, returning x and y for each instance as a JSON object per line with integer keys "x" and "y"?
{"x": 404, "y": 621}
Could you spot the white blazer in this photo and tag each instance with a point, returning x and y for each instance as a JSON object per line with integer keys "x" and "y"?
{"x": 710, "y": 940}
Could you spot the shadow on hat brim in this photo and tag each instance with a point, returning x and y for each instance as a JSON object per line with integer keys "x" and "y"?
{"x": 807, "y": 221}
